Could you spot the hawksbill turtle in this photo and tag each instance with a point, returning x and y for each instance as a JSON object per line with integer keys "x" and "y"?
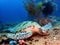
{"x": 27, "y": 33}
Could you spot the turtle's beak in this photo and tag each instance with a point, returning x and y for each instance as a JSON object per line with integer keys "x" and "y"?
{"x": 45, "y": 32}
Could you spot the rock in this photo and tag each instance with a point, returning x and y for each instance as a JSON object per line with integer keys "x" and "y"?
{"x": 24, "y": 44}
{"x": 31, "y": 39}
{"x": 36, "y": 40}
{"x": 45, "y": 37}
{"x": 30, "y": 42}
{"x": 46, "y": 42}
{"x": 56, "y": 28}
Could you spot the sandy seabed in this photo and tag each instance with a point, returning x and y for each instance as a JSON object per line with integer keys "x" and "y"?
{"x": 52, "y": 39}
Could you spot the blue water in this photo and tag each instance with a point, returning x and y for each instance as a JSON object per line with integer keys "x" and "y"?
{"x": 12, "y": 11}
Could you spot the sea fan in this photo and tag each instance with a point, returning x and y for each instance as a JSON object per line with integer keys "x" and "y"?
{"x": 39, "y": 9}
{"x": 32, "y": 9}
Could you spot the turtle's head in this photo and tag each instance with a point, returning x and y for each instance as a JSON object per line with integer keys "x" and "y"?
{"x": 43, "y": 32}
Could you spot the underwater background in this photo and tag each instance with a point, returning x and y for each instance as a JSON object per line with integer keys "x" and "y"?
{"x": 13, "y": 11}
{"x": 16, "y": 21}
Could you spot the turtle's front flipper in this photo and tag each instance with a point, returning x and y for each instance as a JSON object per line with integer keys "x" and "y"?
{"x": 22, "y": 35}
